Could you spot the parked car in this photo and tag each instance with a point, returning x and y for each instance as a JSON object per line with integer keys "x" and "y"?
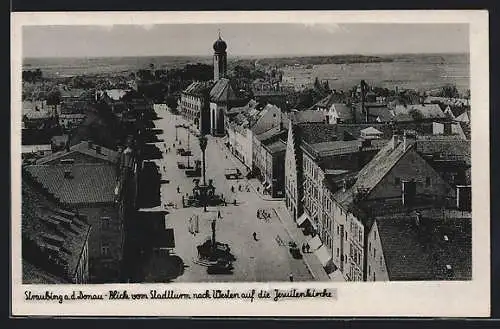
{"x": 232, "y": 173}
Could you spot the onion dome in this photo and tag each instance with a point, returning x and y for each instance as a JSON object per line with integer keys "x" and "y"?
{"x": 220, "y": 45}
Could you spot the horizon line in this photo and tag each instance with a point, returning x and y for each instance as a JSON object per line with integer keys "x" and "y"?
{"x": 255, "y": 55}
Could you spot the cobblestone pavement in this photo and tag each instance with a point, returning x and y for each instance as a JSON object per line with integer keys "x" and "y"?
{"x": 265, "y": 260}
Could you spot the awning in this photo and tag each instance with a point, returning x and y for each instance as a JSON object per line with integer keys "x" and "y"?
{"x": 302, "y": 219}
{"x": 323, "y": 255}
{"x": 315, "y": 242}
{"x": 337, "y": 276}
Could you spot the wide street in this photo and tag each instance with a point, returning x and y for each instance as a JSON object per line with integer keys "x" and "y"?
{"x": 267, "y": 259}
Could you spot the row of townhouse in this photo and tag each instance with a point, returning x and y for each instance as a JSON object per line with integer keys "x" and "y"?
{"x": 338, "y": 189}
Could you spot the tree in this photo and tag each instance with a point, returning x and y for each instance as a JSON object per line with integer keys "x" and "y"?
{"x": 449, "y": 91}
{"x": 54, "y": 97}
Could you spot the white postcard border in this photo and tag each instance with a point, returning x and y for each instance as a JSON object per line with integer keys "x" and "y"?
{"x": 449, "y": 299}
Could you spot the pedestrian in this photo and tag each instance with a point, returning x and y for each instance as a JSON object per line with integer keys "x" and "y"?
{"x": 303, "y": 249}
{"x": 232, "y": 189}
{"x": 254, "y": 236}
{"x": 308, "y": 248}
{"x": 178, "y": 189}
{"x": 291, "y": 277}
{"x": 218, "y": 214}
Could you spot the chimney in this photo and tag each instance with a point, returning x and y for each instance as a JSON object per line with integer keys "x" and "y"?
{"x": 395, "y": 141}
{"x": 91, "y": 144}
{"x": 404, "y": 141}
{"x": 418, "y": 218}
{"x": 344, "y": 185}
{"x": 68, "y": 174}
{"x": 98, "y": 149}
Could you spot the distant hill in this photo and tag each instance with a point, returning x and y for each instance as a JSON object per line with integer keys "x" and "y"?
{"x": 318, "y": 60}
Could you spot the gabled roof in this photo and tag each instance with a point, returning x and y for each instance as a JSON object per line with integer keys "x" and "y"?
{"x": 328, "y": 101}
{"x": 380, "y": 165}
{"x": 38, "y": 115}
{"x": 276, "y": 147}
{"x": 116, "y": 94}
{"x": 426, "y": 111}
{"x": 257, "y": 121}
{"x": 371, "y": 131}
{"x": 464, "y": 117}
{"x": 89, "y": 184}
{"x": 423, "y": 252}
{"x": 252, "y": 104}
{"x": 198, "y": 88}
{"x": 72, "y": 93}
{"x": 84, "y": 148}
{"x": 222, "y": 91}
{"x": 344, "y": 111}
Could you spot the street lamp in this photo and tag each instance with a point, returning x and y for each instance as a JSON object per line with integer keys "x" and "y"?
{"x": 203, "y": 145}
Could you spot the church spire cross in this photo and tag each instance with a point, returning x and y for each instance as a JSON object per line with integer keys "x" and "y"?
{"x": 219, "y": 34}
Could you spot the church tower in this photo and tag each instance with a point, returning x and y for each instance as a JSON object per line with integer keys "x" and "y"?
{"x": 220, "y": 59}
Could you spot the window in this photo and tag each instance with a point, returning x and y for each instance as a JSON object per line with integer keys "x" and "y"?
{"x": 346, "y": 235}
{"x": 397, "y": 181}
{"x": 374, "y": 252}
{"x": 427, "y": 181}
{"x": 105, "y": 222}
{"x": 104, "y": 249}
{"x": 369, "y": 270}
{"x": 338, "y": 229}
{"x": 337, "y": 252}
{"x": 350, "y": 250}
{"x": 380, "y": 260}
{"x": 374, "y": 235}
{"x": 374, "y": 276}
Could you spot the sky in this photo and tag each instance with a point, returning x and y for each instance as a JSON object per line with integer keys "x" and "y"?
{"x": 276, "y": 39}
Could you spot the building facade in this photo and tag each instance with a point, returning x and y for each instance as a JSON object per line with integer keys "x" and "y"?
{"x": 194, "y": 105}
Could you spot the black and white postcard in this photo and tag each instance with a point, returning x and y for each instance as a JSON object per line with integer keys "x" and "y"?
{"x": 250, "y": 163}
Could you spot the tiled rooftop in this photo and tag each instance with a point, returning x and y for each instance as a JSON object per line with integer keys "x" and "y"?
{"x": 274, "y": 131}
{"x": 313, "y": 133}
{"x": 86, "y": 148}
{"x": 198, "y": 88}
{"x": 276, "y": 147}
{"x": 380, "y": 165}
{"x": 90, "y": 183}
{"x": 426, "y": 111}
{"x": 49, "y": 227}
{"x": 38, "y": 115}
{"x": 222, "y": 91}
{"x": 423, "y": 252}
